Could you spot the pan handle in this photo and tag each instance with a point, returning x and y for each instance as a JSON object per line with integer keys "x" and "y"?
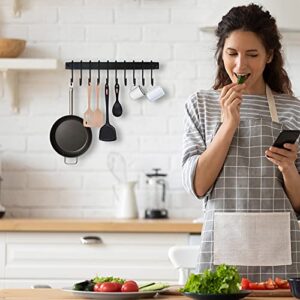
{"x": 72, "y": 162}
{"x": 71, "y": 100}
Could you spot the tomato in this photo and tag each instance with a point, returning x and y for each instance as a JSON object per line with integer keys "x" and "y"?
{"x": 129, "y": 286}
{"x": 283, "y": 284}
{"x": 97, "y": 287}
{"x": 271, "y": 284}
{"x": 118, "y": 286}
{"x": 256, "y": 285}
{"x": 245, "y": 283}
{"x": 108, "y": 287}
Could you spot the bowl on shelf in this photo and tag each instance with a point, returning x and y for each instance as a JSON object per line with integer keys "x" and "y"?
{"x": 11, "y": 48}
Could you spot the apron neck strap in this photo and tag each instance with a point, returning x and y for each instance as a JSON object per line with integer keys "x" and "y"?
{"x": 271, "y": 103}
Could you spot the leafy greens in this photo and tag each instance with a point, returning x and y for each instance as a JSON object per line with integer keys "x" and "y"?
{"x": 225, "y": 280}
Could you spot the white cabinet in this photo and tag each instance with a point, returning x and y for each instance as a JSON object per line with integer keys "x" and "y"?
{"x": 60, "y": 259}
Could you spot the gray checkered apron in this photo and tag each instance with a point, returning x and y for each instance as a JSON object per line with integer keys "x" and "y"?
{"x": 250, "y": 183}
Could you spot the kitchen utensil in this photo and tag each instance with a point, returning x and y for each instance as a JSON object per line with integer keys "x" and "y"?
{"x": 10, "y": 48}
{"x": 117, "y": 165}
{"x": 271, "y": 293}
{"x": 295, "y": 286}
{"x": 68, "y": 136}
{"x": 98, "y": 116}
{"x": 155, "y": 93}
{"x": 117, "y": 107}
{"x": 88, "y": 116}
{"x": 136, "y": 92}
{"x": 112, "y": 296}
{"x": 156, "y": 195}
{"x": 107, "y": 131}
{"x": 126, "y": 200}
{"x": 240, "y": 295}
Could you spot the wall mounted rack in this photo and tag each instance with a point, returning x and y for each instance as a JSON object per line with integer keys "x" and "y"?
{"x": 110, "y": 65}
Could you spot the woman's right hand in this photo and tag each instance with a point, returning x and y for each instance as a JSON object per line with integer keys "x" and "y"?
{"x": 230, "y": 101}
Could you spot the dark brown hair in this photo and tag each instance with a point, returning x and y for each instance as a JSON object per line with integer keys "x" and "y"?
{"x": 253, "y": 18}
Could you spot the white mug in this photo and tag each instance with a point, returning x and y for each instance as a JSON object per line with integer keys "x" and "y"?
{"x": 136, "y": 92}
{"x": 155, "y": 93}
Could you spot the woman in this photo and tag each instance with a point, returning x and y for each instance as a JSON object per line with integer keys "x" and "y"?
{"x": 251, "y": 189}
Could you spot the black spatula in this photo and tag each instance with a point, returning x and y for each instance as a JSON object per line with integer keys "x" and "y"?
{"x": 107, "y": 131}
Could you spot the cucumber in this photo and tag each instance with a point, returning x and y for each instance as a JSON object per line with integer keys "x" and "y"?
{"x": 154, "y": 287}
{"x": 145, "y": 285}
{"x": 241, "y": 79}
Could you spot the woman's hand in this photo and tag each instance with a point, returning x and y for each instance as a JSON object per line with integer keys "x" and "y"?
{"x": 283, "y": 158}
{"x": 230, "y": 101}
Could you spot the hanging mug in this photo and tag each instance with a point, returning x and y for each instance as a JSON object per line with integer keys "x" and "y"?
{"x": 155, "y": 93}
{"x": 136, "y": 92}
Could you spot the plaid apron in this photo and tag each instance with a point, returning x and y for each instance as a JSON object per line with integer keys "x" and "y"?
{"x": 250, "y": 183}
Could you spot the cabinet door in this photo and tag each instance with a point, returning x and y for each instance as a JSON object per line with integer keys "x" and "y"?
{"x": 2, "y": 254}
{"x": 63, "y": 256}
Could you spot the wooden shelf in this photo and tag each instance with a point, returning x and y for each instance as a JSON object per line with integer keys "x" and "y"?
{"x": 11, "y": 66}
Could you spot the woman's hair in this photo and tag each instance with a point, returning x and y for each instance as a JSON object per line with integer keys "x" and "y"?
{"x": 253, "y": 18}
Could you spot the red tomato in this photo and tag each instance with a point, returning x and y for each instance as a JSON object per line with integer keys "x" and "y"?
{"x": 270, "y": 284}
{"x": 97, "y": 287}
{"x": 129, "y": 286}
{"x": 108, "y": 287}
{"x": 118, "y": 286}
{"x": 245, "y": 283}
{"x": 256, "y": 285}
{"x": 283, "y": 284}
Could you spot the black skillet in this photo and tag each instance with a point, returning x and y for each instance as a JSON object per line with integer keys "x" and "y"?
{"x": 68, "y": 136}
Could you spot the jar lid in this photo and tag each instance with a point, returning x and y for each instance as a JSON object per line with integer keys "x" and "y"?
{"x": 156, "y": 173}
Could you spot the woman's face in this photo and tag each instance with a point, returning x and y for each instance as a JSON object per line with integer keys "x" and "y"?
{"x": 244, "y": 54}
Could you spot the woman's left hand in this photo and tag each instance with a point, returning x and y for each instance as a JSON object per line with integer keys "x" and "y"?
{"x": 283, "y": 158}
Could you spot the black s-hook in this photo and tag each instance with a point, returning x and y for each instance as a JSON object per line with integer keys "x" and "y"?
{"x": 80, "y": 78}
{"x": 125, "y": 79}
{"x": 143, "y": 79}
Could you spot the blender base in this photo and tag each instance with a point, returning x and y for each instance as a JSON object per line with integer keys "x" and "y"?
{"x": 156, "y": 213}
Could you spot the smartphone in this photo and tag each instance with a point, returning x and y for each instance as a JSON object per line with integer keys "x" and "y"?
{"x": 286, "y": 136}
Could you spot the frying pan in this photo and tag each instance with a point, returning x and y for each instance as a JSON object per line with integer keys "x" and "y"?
{"x": 68, "y": 136}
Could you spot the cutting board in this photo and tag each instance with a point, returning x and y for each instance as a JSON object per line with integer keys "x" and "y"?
{"x": 271, "y": 293}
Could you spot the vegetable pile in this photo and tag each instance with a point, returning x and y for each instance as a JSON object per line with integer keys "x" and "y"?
{"x": 115, "y": 284}
{"x": 225, "y": 280}
{"x": 269, "y": 284}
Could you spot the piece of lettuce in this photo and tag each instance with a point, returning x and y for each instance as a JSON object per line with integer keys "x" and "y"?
{"x": 224, "y": 280}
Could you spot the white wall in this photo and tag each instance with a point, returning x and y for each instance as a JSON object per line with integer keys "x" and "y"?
{"x": 36, "y": 181}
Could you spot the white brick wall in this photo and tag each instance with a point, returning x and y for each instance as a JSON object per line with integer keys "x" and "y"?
{"x": 36, "y": 181}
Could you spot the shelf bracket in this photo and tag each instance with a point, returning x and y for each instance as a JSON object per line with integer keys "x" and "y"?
{"x": 16, "y": 8}
{"x": 10, "y": 80}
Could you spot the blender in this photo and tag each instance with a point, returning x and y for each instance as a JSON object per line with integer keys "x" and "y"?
{"x": 156, "y": 195}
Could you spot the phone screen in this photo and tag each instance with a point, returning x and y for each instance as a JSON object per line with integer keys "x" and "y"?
{"x": 286, "y": 136}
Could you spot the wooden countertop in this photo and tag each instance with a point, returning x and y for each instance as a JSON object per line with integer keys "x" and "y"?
{"x": 51, "y": 294}
{"x": 90, "y": 225}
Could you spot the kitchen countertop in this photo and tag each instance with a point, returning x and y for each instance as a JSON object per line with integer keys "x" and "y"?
{"x": 49, "y": 294}
{"x": 111, "y": 225}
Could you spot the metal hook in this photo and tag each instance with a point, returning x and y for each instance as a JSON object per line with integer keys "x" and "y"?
{"x": 125, "y": 79}
{"x": 152, "y": 80}
{"x": 107, "y": 72}
{"x": 80, "y": 78}
{"x": 98, "y": 79}
{"x": 143, "y": 79}
{"x": 116, "y": 73}
{"x": 133, "y": 73}
{"x": 90, "y": 73}
{"x": 72, "y": 73}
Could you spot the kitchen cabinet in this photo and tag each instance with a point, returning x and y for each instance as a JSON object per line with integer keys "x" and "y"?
{"x": 62, "y": 258}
